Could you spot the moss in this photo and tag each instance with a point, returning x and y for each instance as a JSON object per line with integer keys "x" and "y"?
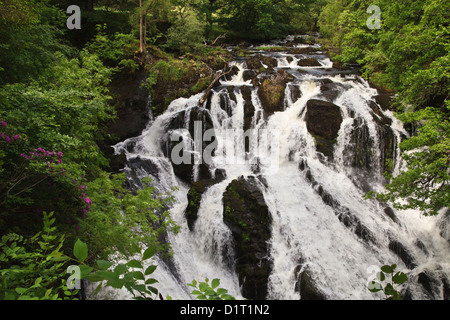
{"x": 271, "y": 93}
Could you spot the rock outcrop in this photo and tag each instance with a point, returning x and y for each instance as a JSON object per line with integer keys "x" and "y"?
{"x": 272, "y": 91}
{"x": 185, "y": 170}
{"x": 247, "y": 215}
{"x": 323, "y": 121}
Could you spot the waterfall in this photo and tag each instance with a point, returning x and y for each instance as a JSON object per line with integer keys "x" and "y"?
{"x": 324, "y": 237}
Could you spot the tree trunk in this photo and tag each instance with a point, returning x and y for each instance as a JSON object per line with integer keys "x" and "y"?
{"x": 141, "y": 33}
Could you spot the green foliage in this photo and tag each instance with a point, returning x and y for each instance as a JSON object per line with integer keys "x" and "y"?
{"x": 114, "y": 50}
{"x": 120, "y": 220}
{"x": 257, "y": 19}
{"x": 206, "y": 291}
{"x": 26, "y": 52}
{"x": 63, "y": 108}
{"x": 409, "y": 55}
{"x": 425, "y": 183}
{"x": 389, "y": 288}
{"x": 133, "y": 275}
{"x": 186, "y": 34}
{"x": 34, "y": 268}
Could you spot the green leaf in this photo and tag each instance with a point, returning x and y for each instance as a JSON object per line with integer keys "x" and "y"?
{"x": 150, "y": 270}
{"x": 149, "y": 252}
{"x": 389, "y": 290}
{"x": 221, "y": 291}
{"x": 116, "y": 283}
{"x": 137, "y": 275}
{"x": 381, "y": 276}
{"x": 103, "y": 264}
{"x": 152, "y": 289}
{"x": 203, "y": 286}
{"x": 399, "y": 278}
{"x": 85, "y": 270}
{"x": 215, "y": 283}
{"x": 80, "y": 250}
{"x": 120, "y": 269}
{"x": 387, "y": 269}
{"x": 20, "y": 290}
{"x": 38, "y": 280}
{"x": 151, "y": 281}
{"x": 193, "y": 284}
{"x": 134, "y": 264}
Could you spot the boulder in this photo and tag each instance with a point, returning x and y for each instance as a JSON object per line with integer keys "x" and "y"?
{"x": 258, "y": 61}
{"x": 309, "y": 62}
{"x": 303, "y": 50}
{"x": 272, "y": 91}
{"x": 246, "y": 213}
{"x": 323, "y": 121}
{"x": 403, "y": 253}
{"x": 307, "y": 287}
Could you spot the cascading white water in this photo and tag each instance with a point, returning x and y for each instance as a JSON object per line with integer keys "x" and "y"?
{"x": 307, "y": 233}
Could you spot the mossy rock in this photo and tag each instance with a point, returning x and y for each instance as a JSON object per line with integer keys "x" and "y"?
{"x": 247, "y": 215}
{"x": 256, "y": 62}
{"x": 272, "y": 91}
{"x": 308, "y": 62}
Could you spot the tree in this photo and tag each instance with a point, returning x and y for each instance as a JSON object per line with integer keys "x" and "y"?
{"x": 142, "y": 11}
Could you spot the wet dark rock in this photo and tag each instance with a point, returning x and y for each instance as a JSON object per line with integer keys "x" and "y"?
{"x": 246, "y": 213}
{"x": 249, "y": 75}
{"x": 272, "y": 90}
{"x": 133, "y": 105}
{"x": 185, "y": 170}
{"x": 307, "y": 287}
{"x": 429, "y": 281}
{"x": 194, "y": 197}
{"x": 361, "y": 146}
{"x": 403, "y": 253}
{"x": 230, "y": 72}
{"x": 249, "y": 108}
{"x": 346, "y": 217}
{"x": 323, "y": 118}
{"x": 258, "y": 61}
{"x": 138, "y": 166}
{"x": 220, "y": 174}
{"x": 444, "y": 225}
{"x": 323, "y": 121}
{"x": 116, "y": 161}
{"x": 330, "y": 90}
{"x": 391, "y": 214}
{"x": 304, "y": 50}
{"x": 295, "y": 91}
{"x": 308, "y": 62}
